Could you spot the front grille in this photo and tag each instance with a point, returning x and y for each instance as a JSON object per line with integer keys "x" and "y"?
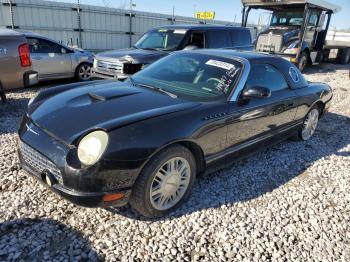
{"x": 38, "y": 162}
{"x": 112, "y": 67}
{"x": 269, "y": 43}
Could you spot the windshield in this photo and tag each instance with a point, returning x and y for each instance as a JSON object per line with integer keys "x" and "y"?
{"x": 161, "y": 39}
{"x": 192, "y": 76}
{"x": 287, "y": 18}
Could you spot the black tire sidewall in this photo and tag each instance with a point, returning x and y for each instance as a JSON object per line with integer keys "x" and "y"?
{"x": 303, "y": 54}
{"x": 149, "y": 173}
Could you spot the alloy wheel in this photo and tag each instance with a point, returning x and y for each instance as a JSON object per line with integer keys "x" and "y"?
{"x": 170, "y": 183}
{"x": 85, "y": 72}
{"x": 310, "y": 124}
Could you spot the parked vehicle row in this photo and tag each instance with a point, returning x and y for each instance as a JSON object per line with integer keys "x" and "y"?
{"x": 146, "y": 139}
{"x": 27, "y": 58}
{"x": 160, "y": 42}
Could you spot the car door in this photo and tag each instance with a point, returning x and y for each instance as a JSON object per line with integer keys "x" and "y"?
{"x": 50, "y": 59}
{"x": 251, "y": 122}
{"x": 311, "y": 27}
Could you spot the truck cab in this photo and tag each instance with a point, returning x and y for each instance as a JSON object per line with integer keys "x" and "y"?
{"x": 297, "y": 29}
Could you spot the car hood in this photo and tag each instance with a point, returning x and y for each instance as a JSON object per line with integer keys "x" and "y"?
{"x": 109, "y": 105}
{"x": 137, "y": 55}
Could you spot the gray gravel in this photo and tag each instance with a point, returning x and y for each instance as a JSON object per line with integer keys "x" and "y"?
{"x": 290, "y": 202}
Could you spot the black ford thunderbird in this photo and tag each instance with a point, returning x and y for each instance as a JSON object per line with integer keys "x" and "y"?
{"x": 145, "y": 140}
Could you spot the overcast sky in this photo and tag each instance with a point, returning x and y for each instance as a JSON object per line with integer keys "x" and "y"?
{"x": 226, "y": 10}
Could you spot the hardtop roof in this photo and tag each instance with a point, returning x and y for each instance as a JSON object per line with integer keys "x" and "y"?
{"x": 297, "y": 3}
{"x": 199, "y": 26}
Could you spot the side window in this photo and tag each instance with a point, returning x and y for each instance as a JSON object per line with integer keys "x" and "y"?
{"x": 218, "y": 39}
{"x": 43, "y": 46}
{"x": 266, "y": 76}
{"x": 240, "y": 38}
{"x": 313, "y": 19}
{"x": 197, "y": 39}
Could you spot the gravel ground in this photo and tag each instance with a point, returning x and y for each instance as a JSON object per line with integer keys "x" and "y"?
{"x": 290, "y": 202}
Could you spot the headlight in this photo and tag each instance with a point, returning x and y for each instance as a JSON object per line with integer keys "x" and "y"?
{"x": 291, "y": 51}
{"x": 92, "y": 146}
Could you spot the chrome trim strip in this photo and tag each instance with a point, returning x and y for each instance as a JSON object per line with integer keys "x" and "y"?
{"x": 243, "y": 79}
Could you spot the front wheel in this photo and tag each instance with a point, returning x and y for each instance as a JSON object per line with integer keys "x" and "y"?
{"x": 165, "y": 182}
{"x": 303, "y": 61}
{"x": 309, "y": 125}
{"x": 83, "y": 72}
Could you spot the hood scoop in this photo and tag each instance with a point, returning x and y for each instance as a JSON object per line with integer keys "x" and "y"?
{"x": 112, "y": 93}
{"x": 101, "y": 95}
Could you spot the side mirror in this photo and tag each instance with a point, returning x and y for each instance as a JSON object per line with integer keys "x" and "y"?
{"x": 63, "y": 51}
{"x": 256, "y": 92}
{"x": 321, "y": 21}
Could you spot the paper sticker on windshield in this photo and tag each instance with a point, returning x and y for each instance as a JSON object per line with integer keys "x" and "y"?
{"x": 180, "y": 31}
{"x": 220, "y": 64}
{"x": 162, "y": 30}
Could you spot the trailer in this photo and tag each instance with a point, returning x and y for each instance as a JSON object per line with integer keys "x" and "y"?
{"x": 298, "y": 31}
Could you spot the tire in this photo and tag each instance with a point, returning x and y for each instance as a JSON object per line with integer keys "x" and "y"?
{"x": 303, "y": 61}
{"x": 148, "y": 182}
{"x": 344, "y": 56}
{"x": 83, "y": 72}
{"x": 302, "y": 134}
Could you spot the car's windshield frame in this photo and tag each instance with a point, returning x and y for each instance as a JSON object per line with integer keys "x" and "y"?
{"x": 240, "y": 65}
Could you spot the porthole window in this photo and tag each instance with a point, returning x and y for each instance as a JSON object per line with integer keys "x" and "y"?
{"x": 294, "y": 74}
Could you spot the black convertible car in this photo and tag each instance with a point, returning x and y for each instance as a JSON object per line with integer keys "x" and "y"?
{"x": 143, "y": 141}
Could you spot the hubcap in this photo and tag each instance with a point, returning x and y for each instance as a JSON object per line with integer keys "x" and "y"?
{"x": 170, "y": 183}
{"x": 85, "y": 72}
{"x": 310, "y": 124}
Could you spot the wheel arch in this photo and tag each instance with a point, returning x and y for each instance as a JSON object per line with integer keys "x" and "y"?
{"x": 81, "y": 63}
{"x": 320, "y": 104}
{"x": 193, "y": 147}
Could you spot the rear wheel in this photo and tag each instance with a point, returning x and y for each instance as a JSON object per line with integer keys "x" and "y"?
{"x": 309, "y": 125}
{"x": 165, "y": 182}
{"x": 83, "y": 72}
{"x": 344, "y": 56}
{"x": 303, "y": 61}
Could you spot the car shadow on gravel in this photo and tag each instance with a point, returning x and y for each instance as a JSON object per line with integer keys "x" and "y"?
{"x": 43, "y": 240}
{"x": 264, "y": 172}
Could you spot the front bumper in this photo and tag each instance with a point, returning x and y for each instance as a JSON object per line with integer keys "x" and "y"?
{"x": 97, "y": 74}
{"x": 85, "y": 199}
{"x": 43, "y": 156}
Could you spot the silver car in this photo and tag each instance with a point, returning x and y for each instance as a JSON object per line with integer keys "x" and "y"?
{"x": 53, "y": 60}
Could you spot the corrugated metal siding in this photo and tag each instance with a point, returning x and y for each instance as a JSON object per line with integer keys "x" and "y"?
{"x": 102, "y": 28}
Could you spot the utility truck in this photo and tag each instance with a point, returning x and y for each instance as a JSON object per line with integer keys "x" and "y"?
{"x": 297, "y": 31}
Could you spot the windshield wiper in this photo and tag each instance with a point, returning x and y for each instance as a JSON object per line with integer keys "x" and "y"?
{"x": 153, "y": 88}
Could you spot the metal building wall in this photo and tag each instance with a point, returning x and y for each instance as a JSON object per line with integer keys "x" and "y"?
{"x": 101, "y": 28}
